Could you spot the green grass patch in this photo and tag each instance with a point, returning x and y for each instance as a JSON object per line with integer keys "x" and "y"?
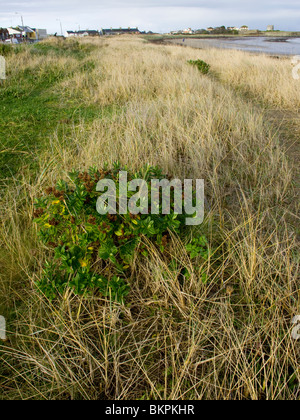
{"x": 31, "y": 112}
{"x": 61, "y": 48}
{"x": 6, "y": 49}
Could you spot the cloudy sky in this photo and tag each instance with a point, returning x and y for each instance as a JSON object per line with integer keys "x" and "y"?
{"x": 150, "y": 15}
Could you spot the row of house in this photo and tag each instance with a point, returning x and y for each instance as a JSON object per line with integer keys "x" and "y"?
{"x": 222, "y": 29}
{"x": 190, "y": 31}
{"x": 81, "y": 34}
{"x": 232, "y": 28}
{"x": 111, "y": 31}
{"x": 243, "y": 28}
{"x": 22, "y": 33}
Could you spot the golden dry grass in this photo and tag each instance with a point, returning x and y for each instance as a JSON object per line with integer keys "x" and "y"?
{"x": 266, "y": 79}
{"x": 174, "y": 339}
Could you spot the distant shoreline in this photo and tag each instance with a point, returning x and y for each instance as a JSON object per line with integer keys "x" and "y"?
{"x": 232, "y": 43}
{"x": 288, "y": 35}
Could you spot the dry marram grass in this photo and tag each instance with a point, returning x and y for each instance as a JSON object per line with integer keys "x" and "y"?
{"x": 229, "y": 339}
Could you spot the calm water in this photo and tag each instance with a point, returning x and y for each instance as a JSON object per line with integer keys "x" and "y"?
{"x": 254, "y": 44}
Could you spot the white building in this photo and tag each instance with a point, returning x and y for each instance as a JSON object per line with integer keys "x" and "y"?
{"x": 188, "y": 31}
{"x": 70, "y": 34}
{"x": 13, "y": 32}
{"x": 81, "y": 34}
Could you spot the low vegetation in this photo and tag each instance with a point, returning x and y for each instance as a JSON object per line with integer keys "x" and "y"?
{"x": 202, "y": 66}
{"x": 5, "y": 50}
{"x": 88, "y": 245}
{"x": 203, "y": 314}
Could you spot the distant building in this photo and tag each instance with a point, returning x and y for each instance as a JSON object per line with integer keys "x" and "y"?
{"x": 81, "y": 34}
{"x": 270, "y": 28}
{"x": 88, "y": 33}
{"x": 32, "y": 34}
{"x": 244, "y": 28}
{"x": 70, "y": 34}
{"x": 15, "y": 35}
{"x": 27, "y": 32}
{"x": 14, "y": 31}
{"x": 41, "y": 33}
{"x": 120, "y": 31}
{"x": 210, "y": 29}
{"x": 188, "y": 31}
{"x": 3, "y": 34}
{"x": 22, "y": 33}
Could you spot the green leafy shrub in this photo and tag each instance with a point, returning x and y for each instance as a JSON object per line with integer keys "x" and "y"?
{"x": 203, "y": 67}
{"x": 198, "y": 247}
{"x": 93, "y": 251}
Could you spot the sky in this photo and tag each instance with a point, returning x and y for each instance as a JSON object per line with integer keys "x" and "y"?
{"x": 150, "y": 15}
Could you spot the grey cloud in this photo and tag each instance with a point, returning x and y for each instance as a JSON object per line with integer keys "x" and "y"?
{"x": 156, "y": 15}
